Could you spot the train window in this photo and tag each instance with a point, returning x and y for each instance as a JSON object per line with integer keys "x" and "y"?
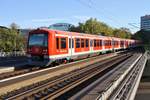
{"x": 100, "y": 43}
{"x": 45, "y": 40}
{"x": 57, "y": 43}
{"x": 82, "y": 43}
{"x": 87, "y": 43}
{"x": 105, "y": 42}
{"x": 109, "y": 42}
{"x": 91, "y": 43}
{"x": 69, "y": 43}
{"x": 72, "y": 43}
{"x": 38, "y": 39}
{"x": 114, "y": 43}
{"x": 121, "y": 43}
{"x": 94, "y": 43}
{"x": 77, "y": 43}
{"x": 63, "y": 43}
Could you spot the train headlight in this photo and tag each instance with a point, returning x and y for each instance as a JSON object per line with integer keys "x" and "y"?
{"x": 45, "y": 51}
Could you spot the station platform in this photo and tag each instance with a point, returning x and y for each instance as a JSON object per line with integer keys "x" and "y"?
{"x": 9, "y": 64}
{"x": 6, "y": 69}
{"x": 10, "y": 68}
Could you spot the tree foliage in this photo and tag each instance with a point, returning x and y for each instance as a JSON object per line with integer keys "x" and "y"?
{"x": 143, "y": 35}
{"x": 14, "y": 26}
{"x": 10, "y": 39}
{"x": 93, "y": 26}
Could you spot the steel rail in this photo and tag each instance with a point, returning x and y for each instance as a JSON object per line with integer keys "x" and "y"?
{"x": 86, "y": 74}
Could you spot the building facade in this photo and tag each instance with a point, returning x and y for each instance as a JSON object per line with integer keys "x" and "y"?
{"x": 145, "y": 22}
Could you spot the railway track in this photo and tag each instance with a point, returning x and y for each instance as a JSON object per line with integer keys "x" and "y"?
{"x": 27, "y": 69}
{"x": 59, "y": 87}
{"x": 28, "y": 78}
{"x": 18, "y": 72}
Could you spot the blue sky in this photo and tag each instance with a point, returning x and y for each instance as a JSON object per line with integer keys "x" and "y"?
{"x": 35, "y": 13}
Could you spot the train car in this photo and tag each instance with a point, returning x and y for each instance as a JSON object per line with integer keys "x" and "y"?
{"x": 52, "y": 46}
{"x": 129, "y": 43}
{"x": 116, "y": 43}
{"x": 122, "y": 44}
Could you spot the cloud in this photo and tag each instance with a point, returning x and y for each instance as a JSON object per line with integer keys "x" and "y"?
{"x": 82, "y": 18}
{"x": 76, "y": 17}
{"x": 48, "y": 20}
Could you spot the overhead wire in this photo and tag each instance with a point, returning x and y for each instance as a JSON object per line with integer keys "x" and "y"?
{"x": 89, "y": 5}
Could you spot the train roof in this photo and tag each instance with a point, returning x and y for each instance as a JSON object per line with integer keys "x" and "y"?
{"x": 76, "y": 34}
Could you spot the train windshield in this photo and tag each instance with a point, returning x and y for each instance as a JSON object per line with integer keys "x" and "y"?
{"x": 38, "y": 40}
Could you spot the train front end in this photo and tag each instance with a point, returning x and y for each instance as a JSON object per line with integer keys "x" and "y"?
{"x": 37, "y": 48}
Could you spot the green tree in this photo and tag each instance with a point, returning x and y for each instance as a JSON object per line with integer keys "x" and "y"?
{"x": 14, "y": 26}
{"x": 10, "y": 39}
{"x": 93, "y": 26}
{"x": 122, "y": 33}
{"x": 77, "y": 28}
{"x": 144, "y": 37}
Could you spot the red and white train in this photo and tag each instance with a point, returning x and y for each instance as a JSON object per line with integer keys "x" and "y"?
{"x": 52, "y": 46}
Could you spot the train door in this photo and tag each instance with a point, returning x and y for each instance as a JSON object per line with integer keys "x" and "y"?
{"x": 103, "y": 45}
{"x": 113, "y": 44}
{"x": 91, "y": 45}
{"x": 71, "y": 46}
{"x": 72, "y": 43}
